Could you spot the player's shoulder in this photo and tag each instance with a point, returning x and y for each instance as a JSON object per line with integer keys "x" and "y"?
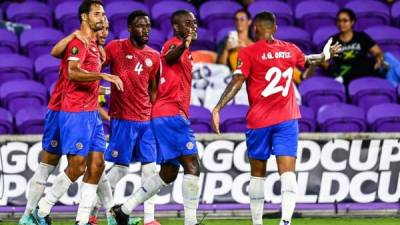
{"x": 288, "y": 44}
{"x": 172, "y": 41}
{"x": 152, "y": 51}
{"x": 76, "y": 42}
{"x": 116, "y": 42}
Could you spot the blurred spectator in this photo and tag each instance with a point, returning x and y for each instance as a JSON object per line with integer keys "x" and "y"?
{"x": 354, "y": 61}
{"x": 239, "y": 38}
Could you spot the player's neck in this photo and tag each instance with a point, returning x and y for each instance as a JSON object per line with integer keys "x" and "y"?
{"x": 267, "y": 37}
{"x": 137, "y": 45}
{"x": 346, "y": 36}
{"x": 86, "y": 31}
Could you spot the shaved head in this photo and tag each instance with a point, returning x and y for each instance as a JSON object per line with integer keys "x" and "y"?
{"x": 264, "y": 25}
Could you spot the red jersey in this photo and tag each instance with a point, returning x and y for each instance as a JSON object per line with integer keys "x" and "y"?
{"x": 135, "y": 67}
{"x": 175, "y": 83}
{"x": 268, "y": 68}
{"x": 81, "y": 96}
{"x": 56, "y": 95}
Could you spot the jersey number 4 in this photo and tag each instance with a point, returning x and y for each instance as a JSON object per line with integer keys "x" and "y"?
{"x": 273, "y": 86}
{"x": 138, "y": 68}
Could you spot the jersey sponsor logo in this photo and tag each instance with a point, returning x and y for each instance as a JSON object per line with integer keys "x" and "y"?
{"x": 162, "y": 80}
{"x": 276, "y": 55}
{"x": 148, "y": 62}
{"x": 129, "y": 56}
{"x": 54, "y": 143}
{"x": 75, "y": 51}
{"x": 79, "y": 146}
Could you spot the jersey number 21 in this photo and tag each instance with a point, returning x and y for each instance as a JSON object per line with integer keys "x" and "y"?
{"x": 273, "y": 87}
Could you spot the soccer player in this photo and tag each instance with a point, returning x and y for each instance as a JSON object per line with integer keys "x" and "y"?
{"x": 267, "y": 68}
{"x": 131, "y": 138}
{"x": 175, "y": 139}
{"x": 81, "y": 133}
{"x": 51, "y": 153}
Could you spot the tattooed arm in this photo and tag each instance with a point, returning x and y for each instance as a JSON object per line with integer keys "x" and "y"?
{"x": 229, "y": 93}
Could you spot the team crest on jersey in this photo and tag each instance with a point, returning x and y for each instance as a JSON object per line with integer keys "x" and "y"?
{"x": 129, "y": 56}
{"x": 189, "y": 145}
{"x": 74, "y": 51}
{"x": 54, "y": 143}
{"x": 148, "y": 62}
{"x": 114, "y": 153}
{"x": 79, "y": 146}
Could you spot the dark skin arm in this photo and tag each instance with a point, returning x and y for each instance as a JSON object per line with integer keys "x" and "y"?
{"x": 153, "y": 87}
{"x": 229, "y": 93}
{"x": 174, "y": 54}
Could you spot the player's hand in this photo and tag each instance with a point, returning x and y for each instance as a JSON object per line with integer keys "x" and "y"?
{"x": 215, "y": 121}
{"x": 188, "y": 39}
{"x": 78, "y": 34}
{"x": 115, "y": 80}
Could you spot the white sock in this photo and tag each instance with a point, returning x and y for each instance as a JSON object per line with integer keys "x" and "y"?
{"x": 148, "y": 170}
{"x": 256, "y": 194}
{"x": 36, "y": 186}
{"x": 288, "y": 192}
{"x": 104, "y": 194}
{"x": 150, "y": 187}
{"x": 116, "y": 173}
{"x": 87, "y": 200}
{"x": 59, "y": 188}
{"x": 191, "y": 197}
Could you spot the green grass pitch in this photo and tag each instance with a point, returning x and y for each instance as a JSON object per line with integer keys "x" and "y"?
{"x": 307, "y": 221}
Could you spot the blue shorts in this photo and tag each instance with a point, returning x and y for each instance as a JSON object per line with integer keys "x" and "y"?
{"x": 81, "y": 132}
{"x": 174, "y": 139}
{"x": 279, "y": 140}
{"x": 131, "y": 142}
{"x": 51, "y": 134}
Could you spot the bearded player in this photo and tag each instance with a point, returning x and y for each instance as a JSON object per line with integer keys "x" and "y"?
{"x": 267, "y": 68}
{"x": 175, "y": 139}
{"x": 81, "y": 131}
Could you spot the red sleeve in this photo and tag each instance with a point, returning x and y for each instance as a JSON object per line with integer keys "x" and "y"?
{"x": 170, "y": 44}
{"x": 76, "y": 50}
{"x": 156, "y": 66}
{"x": 243, "y": 63}
{"x": 300, "y": 57}
{"x": 108, "y": 49}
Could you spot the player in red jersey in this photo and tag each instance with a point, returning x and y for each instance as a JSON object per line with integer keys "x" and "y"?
{"x": 175, "y": 139}
{"x": 267, "y": 68}
{"x": 82, "y": 136}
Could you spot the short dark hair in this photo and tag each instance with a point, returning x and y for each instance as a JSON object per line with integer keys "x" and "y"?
{"x": 135, "y": 14}
{"x": 86, "y": 5}
{"x": 349, "y": 12}
{"x": 245, "y": 12}
{"x": 265, "y": 16}
{"x": 177, "y": 14}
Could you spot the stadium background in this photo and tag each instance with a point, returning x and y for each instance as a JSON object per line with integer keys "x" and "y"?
{"x": 344, "y": 173}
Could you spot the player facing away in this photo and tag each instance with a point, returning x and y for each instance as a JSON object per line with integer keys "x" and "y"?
{"x": 81, "y": 131}
{"x": 267, "y": 68}
{"x": 131, "y": 138}
{"x": 175, "y": 139}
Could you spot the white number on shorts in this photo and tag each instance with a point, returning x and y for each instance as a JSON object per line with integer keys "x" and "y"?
{"x": 138, "y": 68}
{"x": 273, "y": 86}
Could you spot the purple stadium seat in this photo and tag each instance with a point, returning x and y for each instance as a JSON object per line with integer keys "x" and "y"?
{"x": 118, "y": 12}
{"x": 294, "y": 3}
{"x": 282, "y": 11}
{"x": 161, "y": 13}
{"x": 67, "y": 17}
{"x": 18, "y": 94}
{"x": 151, "y": 3}
{"x": 39, "y": 41}
{"x": 205, "y": 41}
{"x": 6, "y": 122}
{"x": 233, "y": 118}
{"x": 369, "y": 91}
{"x": 14, "y": 66}
{"x": 341, "y": 117}
{"x": 307, "y": 122}
{"x": 55, "y": 3}
{"x": 312, "y": 15}
{"x": 296, "y": 35}
{"x": 47, "y": 69}
{"x": 387, "y": 37}
{"x": 384, "y": 118}
{"x": 319, "y": 91}
{"x": 1, "y": 14}
{"x": 396, "y": 13}
{"x": 30, "y": 120}
{"x": 8, "y": 42}
{"x": 369, "y": 13}
{"x": 322, "y": 35}
{"x": 218, "y": 14}
{"x": 222, "y": 34}
{"x": 156, "y": 41}
{"x": 200, "y": 119}
{"x": 36, "y": 14}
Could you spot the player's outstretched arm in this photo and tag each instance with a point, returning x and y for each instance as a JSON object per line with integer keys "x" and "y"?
{"x": 229, "y": 93}
{"x": 59, "y": 49}
{"x": 75, "y": 73}
{"x": 174, "y": 53}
